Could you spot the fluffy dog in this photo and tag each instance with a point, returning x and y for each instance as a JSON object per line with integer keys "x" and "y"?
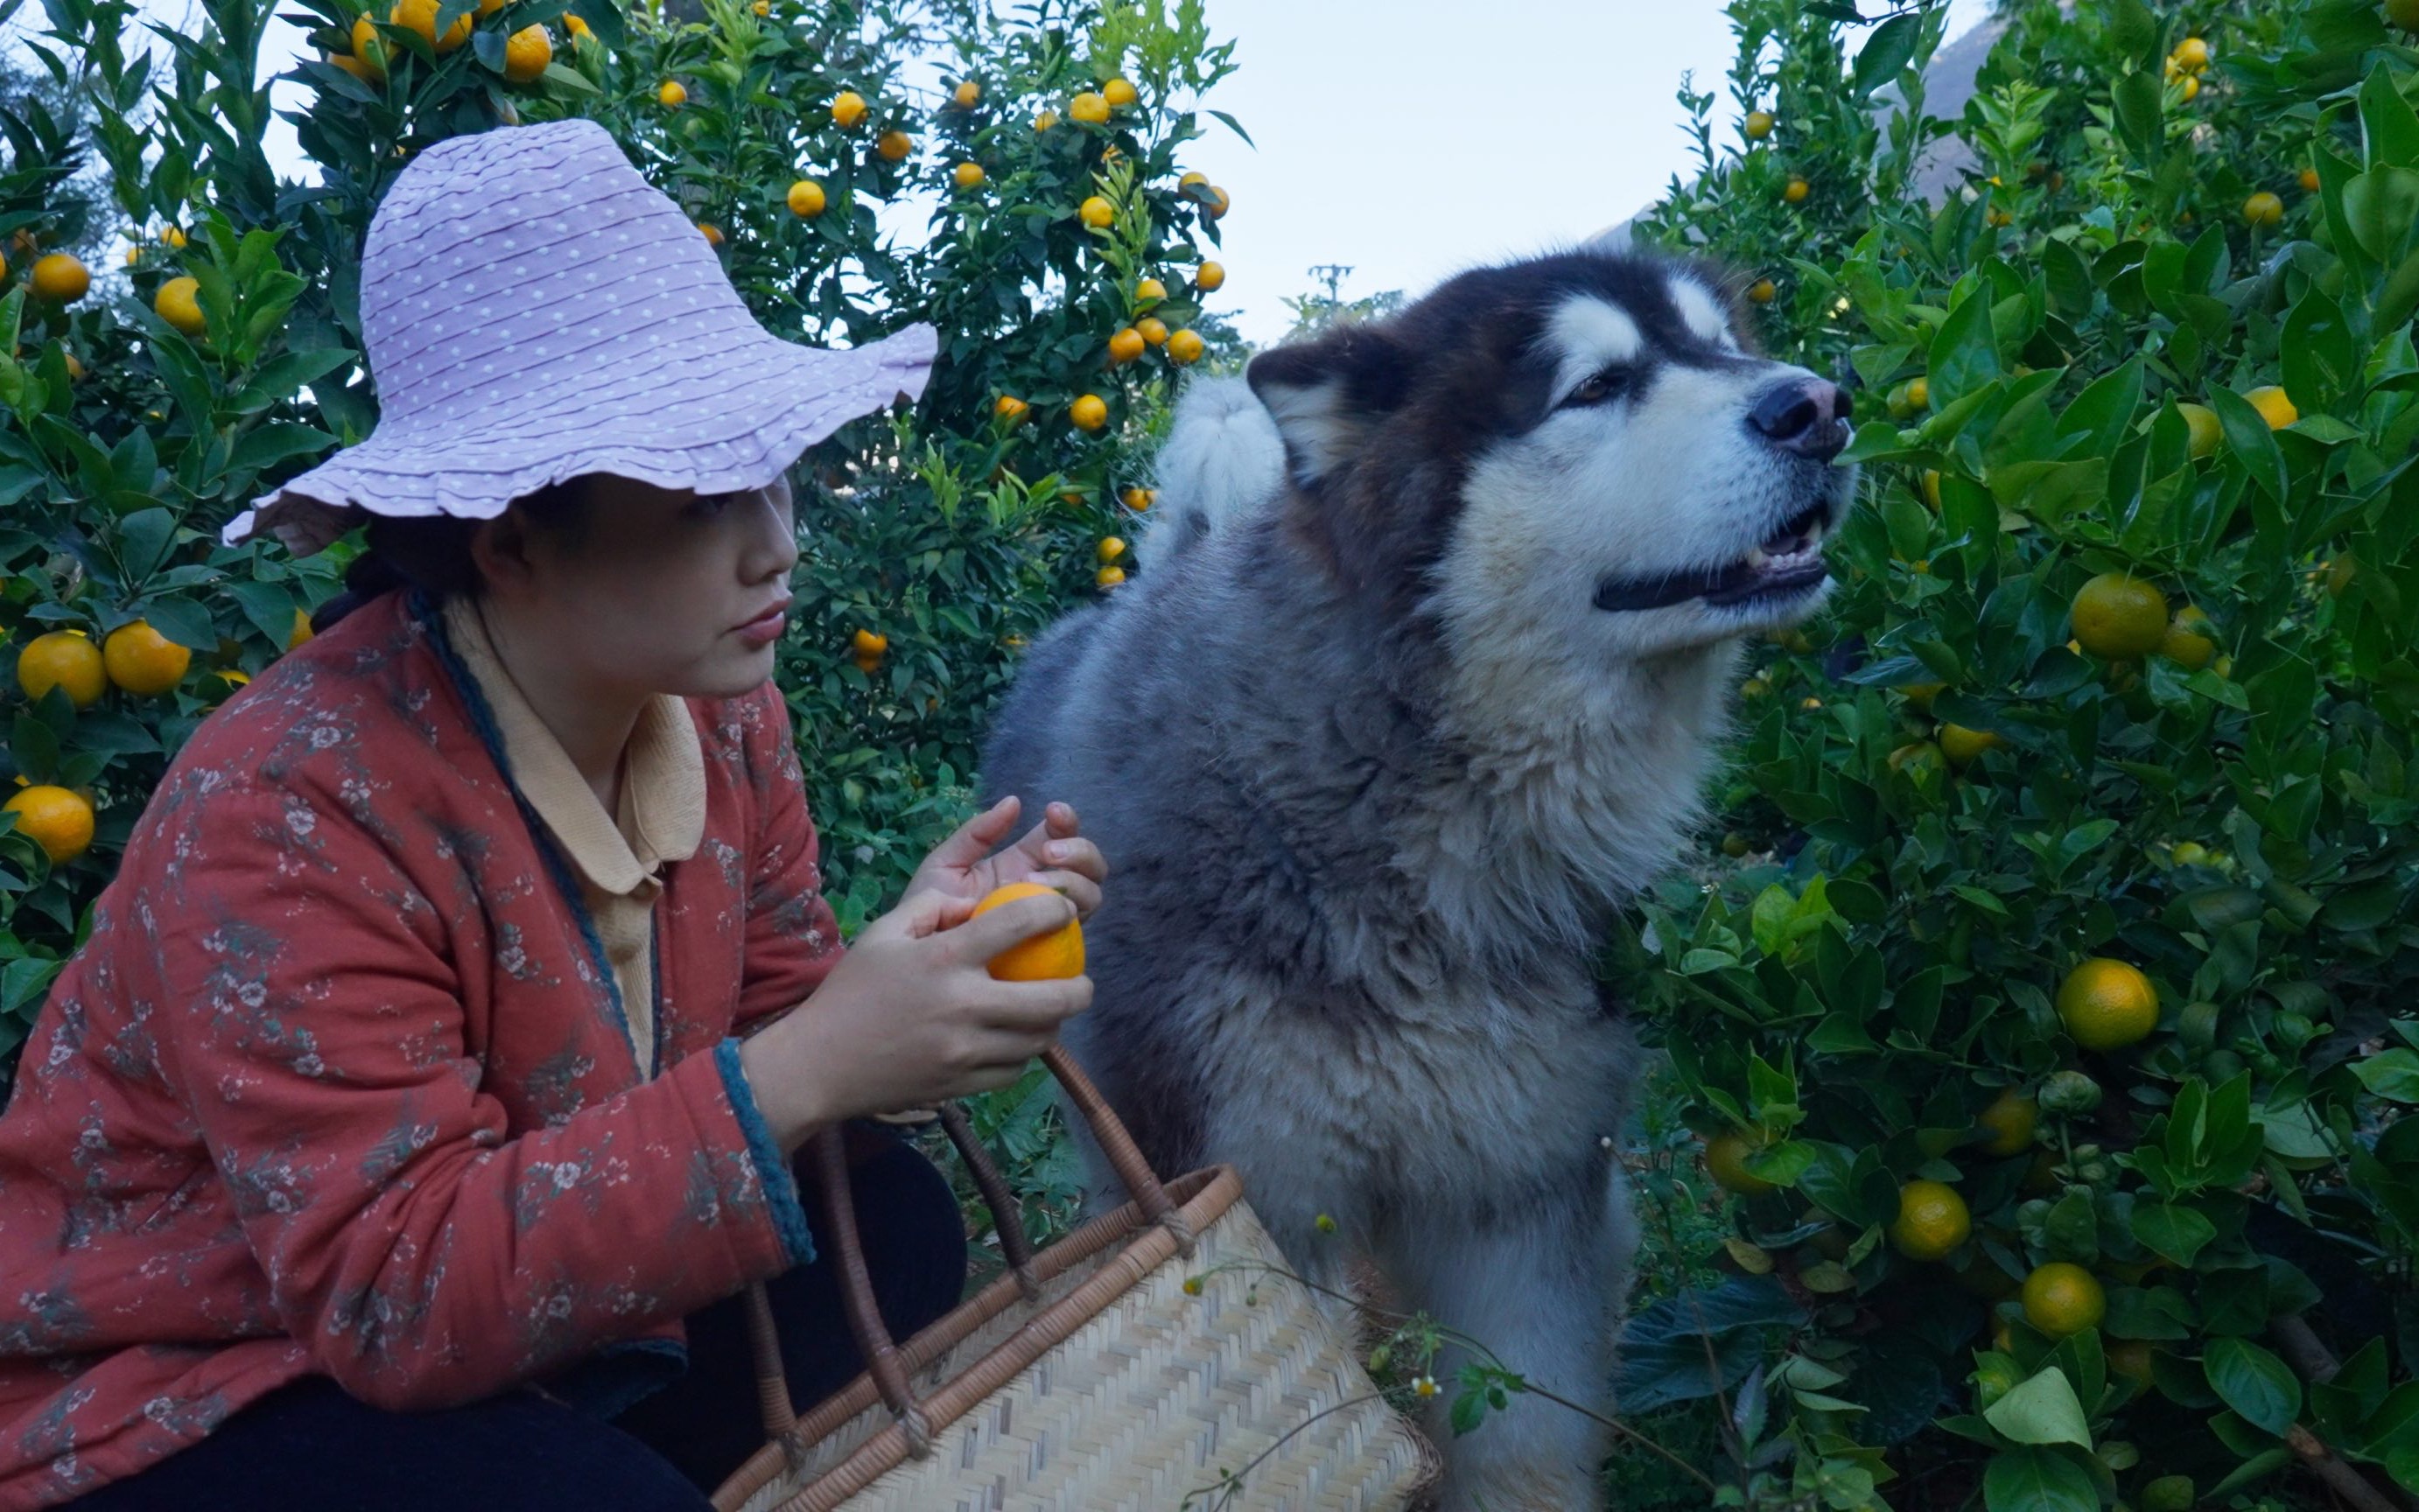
{"x": 1420, "y": 683}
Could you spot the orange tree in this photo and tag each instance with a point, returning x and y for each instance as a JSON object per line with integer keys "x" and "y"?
{"x": 138, "y": 418}
{"x": 2054, "y": 1025}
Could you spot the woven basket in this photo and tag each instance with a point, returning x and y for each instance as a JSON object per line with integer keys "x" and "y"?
{"x": 1089, "y": 1377}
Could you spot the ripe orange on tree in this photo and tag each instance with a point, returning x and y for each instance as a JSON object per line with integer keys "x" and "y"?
{"x": 1090, "y": 412}
{"x": 61, "y": 278}
{"x": 302, "y": 630}
{"x": 527, "y": 53}
{"x": 2188, "y": 641}
{"x": 2119, "y": 616}
{"x": 869, "y": 643}
{"x": 1109, "y": 577}
{"x": 967, "y": 176}
{"x": 1009, "y": 407}
{"x": 712, "y": 233}
{"x": 1795, "y": 191}
{"x": 1139, "y": 499}
{"x": 1110, "y": 548}
{"x": 1117, "y": 93}
{"x": 1126, "y": 345}
{"x": 2061, "y": 1298}
{"x": 894, "y": 146}
{"x": 179, "y": 304}
{"x": 1184, "y": 347}
{"x": 1096, "y": 212}
{"x": 421, "y": 16}
{"x": 1209, "y": 276}
{"x": 1758, "y": 126}
{"x": 966, "y": 94}
{"x": 1932, "y": 1220}
{"x": 671, "y": 94}
{"x": 1152, "y": 329}
{"x": 806, "y": 199}
{"x": 2309, "y": 180}
{"x": 2274, "y": 406}
{"x": 1046, "y": 120}
{"x": 2010, "y": 1120}
{"x": 848, "y": 108}
{"x": 65, "y": 659}
{"x": 2263, "y": 208}
{"x": 140, "y": 660}
{"x": 2106, "y": 1004}
{"x": 57, "y": 820}
{"x": 1762, "y": 291}
{"x": 1149, "y": 291}
{"x": 369, "y": 57}
{"x": 1961, "y": 744}
{"x": 1726, "y": 1156}
{"x": 1090, "y": 108}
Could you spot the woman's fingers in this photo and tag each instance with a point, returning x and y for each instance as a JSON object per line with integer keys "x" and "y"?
{"x": 979, "y": 938}
{"x": 1077, "y": 888}
{"x": 1035, "y": 1007}
{"x": 978, "y": 837}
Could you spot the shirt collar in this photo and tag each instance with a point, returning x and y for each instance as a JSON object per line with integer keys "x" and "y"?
{"x": 663, "y": 774}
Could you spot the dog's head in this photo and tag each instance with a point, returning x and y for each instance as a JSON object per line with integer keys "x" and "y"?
{"x": 1578, "y": 444}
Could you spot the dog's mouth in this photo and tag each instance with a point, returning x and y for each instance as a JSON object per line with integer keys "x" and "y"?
{"x": 1787, "y": 564}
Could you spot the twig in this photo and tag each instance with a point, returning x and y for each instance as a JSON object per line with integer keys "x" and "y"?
{"x": 2341, "y": 1478}
{"x": 2301, "y": 1348}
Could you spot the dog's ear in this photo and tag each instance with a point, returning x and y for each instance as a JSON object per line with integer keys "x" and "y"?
{"x": 1326, "y": 395}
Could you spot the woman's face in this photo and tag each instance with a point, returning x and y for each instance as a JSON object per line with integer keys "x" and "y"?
{"x": 659, "y": 591}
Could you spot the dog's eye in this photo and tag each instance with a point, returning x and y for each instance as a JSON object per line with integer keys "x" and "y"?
{"x": 1598, "y": 387}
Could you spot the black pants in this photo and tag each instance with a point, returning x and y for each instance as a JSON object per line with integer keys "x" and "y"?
{"x": 309, "y": 1445}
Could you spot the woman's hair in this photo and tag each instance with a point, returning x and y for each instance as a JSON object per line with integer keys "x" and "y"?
{"x": 432, "y": 552}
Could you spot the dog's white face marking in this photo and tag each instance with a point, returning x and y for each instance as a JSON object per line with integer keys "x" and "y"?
{"x": 1665, "y": 479}
{"x": 1589, "y": 336}
{"x": 1703, "y": 313}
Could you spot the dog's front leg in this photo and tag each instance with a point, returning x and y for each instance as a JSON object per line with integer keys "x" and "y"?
{"x": 1542, "y": 1285}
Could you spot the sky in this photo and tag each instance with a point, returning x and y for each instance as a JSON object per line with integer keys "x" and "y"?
{"x": 1409, "y": 139}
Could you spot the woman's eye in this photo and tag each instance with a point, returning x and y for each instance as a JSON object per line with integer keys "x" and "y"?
{"x": 1598, "y": 387}
{"x": 706, "y": 506}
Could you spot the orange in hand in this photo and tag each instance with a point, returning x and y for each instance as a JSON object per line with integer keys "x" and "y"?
{"x": 1045, "y": 957}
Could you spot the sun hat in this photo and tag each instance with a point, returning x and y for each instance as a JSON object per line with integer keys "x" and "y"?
{"x": 535, "y": 310}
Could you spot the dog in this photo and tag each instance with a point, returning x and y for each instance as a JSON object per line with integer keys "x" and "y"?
{"x": 1420, "y": 683}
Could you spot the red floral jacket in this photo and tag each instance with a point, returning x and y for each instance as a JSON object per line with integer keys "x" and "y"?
{"x": 340, "y": 1083}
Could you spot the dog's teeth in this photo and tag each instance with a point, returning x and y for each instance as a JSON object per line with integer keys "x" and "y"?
{"x": 1756, "y": 557}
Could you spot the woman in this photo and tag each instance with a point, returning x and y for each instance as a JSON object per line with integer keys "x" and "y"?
{"x": 429, "y": 1086}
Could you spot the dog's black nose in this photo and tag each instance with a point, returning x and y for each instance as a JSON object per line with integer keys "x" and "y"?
{"x": 1807, "y": 416}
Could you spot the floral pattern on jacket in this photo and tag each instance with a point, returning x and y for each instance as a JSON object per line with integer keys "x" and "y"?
{"x": 339, "y": 1083}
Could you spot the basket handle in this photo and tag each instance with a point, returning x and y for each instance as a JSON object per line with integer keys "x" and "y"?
{"x": 874, "y": 1340}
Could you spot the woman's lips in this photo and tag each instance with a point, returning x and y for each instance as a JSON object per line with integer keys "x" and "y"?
{"x": 766, "y": 627}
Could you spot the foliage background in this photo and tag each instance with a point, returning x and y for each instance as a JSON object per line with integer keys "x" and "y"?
{"x": 1878, "y": 960}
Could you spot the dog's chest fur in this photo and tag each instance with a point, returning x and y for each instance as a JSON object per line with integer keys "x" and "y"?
{"x": 1353, "y": 898}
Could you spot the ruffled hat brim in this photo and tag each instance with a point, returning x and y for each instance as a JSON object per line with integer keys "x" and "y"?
{"x": 737, "y": 427}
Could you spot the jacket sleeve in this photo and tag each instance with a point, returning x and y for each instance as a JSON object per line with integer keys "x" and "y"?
{"x": 422, "y": 1256}
{"x": 792, "y": 940}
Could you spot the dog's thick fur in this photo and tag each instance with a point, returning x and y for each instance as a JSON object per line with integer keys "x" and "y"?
{"x": 1373, "y": 770}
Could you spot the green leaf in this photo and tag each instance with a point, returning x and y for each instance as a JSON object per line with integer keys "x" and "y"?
{"x": 265, "y": 447}
{"x": 2177, "y": 1232}
{"x": 2389, "y": 127}
{"x": 2044, "y": 1409}
{"x": 2251, "y": 439}
{"x": 2254, "y": 1383}
{"x": 2391, "y": 1074}
{"x": 1964, "y": 351}
{"x": 2035, "y": 1479}
{"x": 1886, "y": 52}
{"x": 2379, "y": 207}
{"x": 2137, "y": 106}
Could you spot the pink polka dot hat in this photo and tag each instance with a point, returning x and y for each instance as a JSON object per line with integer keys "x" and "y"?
{"x": 535, "y": 310}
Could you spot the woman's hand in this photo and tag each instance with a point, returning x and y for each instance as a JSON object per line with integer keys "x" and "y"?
{"x": 1053, "y": 854}
{"x": 910, "y": 1016}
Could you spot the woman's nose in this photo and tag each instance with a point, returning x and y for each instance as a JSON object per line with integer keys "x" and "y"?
{"x": 775, "y": 550}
